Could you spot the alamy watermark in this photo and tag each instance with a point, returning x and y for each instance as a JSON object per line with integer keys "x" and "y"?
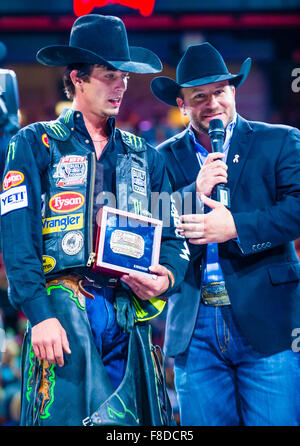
{"x": 2, "y": 340}
{"x": 296, "y": 82}
{"x": 296, "y": 342}
{"x": 163, "y": 206}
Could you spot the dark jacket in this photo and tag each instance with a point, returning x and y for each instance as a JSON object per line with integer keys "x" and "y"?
{"x": 262, "y": 271}
{"x": 30, "y": 155}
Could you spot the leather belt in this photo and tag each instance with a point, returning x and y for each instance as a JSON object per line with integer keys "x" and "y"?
{"x": 214, "y": 294}
{"x": 74, "y": 282}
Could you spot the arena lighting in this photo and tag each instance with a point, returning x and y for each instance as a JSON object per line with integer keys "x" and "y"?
{"x": 158, "y": 22}
{"x": 82, "y": 7}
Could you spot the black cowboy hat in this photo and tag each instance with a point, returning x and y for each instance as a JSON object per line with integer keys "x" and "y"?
{"x": 98, "y": 39}
{"x": 201, "y": 64}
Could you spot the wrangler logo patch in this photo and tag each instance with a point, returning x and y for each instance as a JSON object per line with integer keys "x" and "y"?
{"x": 66, "y": 202}
{"x": 12, "y": 178}
{"x": 62, "y": 223}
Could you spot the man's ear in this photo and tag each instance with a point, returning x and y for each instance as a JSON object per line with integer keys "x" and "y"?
{"x": 181, "y": 106}
{"x": 77, "y": 81}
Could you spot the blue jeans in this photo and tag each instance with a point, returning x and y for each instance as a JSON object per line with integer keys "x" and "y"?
{"x": 222, "y": 381}
{"x": 110, "y": 340}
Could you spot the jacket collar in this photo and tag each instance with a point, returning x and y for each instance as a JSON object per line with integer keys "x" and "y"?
{"x": 184, "y": 152}
{"x": 68, "y": 116}
{"x": 240, "y": 146}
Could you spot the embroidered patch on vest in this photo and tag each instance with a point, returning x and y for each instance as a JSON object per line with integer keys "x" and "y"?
{"x": 13, "y": 199}
{"x": 71, "y": 171}
{"x": 62, "y": 223}
{"x": 12, "y": 178}
{"x": 138, "y": 181}
{"x": 66, "y": 202}
{"x": 49, "y": 263}
{"x": 45, "y": 140}
{"x": 72, "y": 243}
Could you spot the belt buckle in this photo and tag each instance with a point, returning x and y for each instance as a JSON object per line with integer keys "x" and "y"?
{"x": 214, "y": 294}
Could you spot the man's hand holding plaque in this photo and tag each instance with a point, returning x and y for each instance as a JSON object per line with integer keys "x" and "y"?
{"x": 146, "y": 288}
{"x": 128, "y": 244}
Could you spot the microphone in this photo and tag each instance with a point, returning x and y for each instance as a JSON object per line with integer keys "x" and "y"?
{"x": 216, "y": 133}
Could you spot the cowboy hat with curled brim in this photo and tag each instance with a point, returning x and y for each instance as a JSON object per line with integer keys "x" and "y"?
{"x": 98, "y": 39}
{"x": 200, "y": 65}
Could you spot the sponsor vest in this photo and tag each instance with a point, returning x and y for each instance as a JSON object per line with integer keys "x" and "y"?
{"x": 68, "y": 195}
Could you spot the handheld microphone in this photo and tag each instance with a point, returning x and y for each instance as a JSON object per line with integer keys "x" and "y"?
{"x": 216, "y": 133}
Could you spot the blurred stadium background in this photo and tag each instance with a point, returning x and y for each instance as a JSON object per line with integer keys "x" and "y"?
{"x": 266, "y": 30}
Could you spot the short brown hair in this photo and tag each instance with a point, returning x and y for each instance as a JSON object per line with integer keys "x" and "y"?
{"x": 83, "y": 71}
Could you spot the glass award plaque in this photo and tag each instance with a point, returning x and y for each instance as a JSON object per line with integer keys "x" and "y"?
{"x": 126, "y": 242}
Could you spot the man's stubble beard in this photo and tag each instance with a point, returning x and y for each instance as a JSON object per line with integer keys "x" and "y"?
{"x": 200, "y": 128}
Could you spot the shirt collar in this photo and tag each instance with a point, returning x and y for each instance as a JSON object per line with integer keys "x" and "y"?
{"x": 228, "y": 134}
{"x": 74, "y": 119}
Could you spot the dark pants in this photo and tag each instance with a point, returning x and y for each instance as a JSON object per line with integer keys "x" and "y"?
{"x": 110, "y": 340}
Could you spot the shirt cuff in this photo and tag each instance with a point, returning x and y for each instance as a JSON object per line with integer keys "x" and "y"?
{"x": 37, "y": 310}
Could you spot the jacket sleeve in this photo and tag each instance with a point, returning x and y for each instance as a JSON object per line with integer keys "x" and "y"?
{"x": 280, "y": 222}
{"x": 174, "y": 253}
{"x": 21, "y": 225}
{"x": 185, "y": 197}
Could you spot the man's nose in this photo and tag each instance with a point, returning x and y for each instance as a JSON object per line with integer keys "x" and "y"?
{"x": 121, "y": 84}
{"x": 212, "y": 101}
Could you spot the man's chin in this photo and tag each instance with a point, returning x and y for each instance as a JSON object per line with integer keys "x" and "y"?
{"x": 111, "y": 111}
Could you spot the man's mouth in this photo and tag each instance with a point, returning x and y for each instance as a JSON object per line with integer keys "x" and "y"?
{"x": 116, "y": 102}
{"x": 211, "y": 116}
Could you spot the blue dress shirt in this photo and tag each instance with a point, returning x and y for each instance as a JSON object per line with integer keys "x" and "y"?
{"x": 212, "y": 271}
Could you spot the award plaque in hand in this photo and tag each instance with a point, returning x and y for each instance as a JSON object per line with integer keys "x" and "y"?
{"x": 126, "y": 242}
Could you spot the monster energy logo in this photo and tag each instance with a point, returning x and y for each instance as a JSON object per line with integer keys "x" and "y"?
{"x": 57, "y": 129}
{"x": 67, "y": 116}
{"x": 137, "y": 206}
{"x": 132, "y": 140}
{"x": 11, "y": 151}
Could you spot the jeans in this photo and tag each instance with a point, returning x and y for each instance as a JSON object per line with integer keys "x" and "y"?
{"x": 110, "y": 340}
{"x": 222, "y": 381}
